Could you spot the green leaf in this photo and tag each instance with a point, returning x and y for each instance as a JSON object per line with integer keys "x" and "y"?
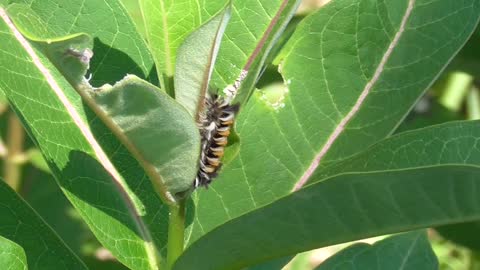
{"x": 409, "y": 251}
{"x": 167, "y": 24}
{"x": 42, "y": 193}
{"x": 119, "y": 48}
{"x": 105, "y": 184}
{"x": 272, "y": 265}
{"x": 195, "y": 61}
{"x": 248, "y": 38}
{"x": 35, "y": 157}
{"x": 20, "y": 224}
{"x": 341, "y": 209}
{"x": 430, "y": 179}
{"x": 453, "y": 143}
{"x": 160, "y": 134}
{"x": 12, "y": 255}
{"x": 345, "y": 93}
{"x": 252, "y": 32}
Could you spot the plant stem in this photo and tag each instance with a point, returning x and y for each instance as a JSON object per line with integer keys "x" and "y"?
{"x": 474, "y": 260}
{"x": 166, "y": 83}
{"x": 456, "y": 89}
{"x": 15, "y": 139}
{"x": 176, "y": 231}
{"x": 473, "y": 104}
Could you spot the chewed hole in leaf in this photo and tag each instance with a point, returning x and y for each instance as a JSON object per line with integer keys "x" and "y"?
{"x": 274, "y": 95}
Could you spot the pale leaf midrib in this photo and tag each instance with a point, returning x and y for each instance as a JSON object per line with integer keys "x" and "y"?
{"x": 356, "y": 107}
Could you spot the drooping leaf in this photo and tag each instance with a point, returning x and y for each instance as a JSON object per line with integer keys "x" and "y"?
{"x": 409, "y": 251}
{"x": 195, "y": 62}
{"x": 359, "y": 85}
{"x": 105, "y": 184}
{"x": 42, "y": 247}
{"x": 12, "y": 256}
{"x": 431, "y": 179}
{"x": 158, "y": 132}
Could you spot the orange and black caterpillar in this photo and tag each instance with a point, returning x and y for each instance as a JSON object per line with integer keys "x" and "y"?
{"x": 214, "y": 124}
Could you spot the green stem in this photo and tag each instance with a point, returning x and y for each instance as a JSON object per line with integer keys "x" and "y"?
{"x": 176, "y": 233}
{"x": 14, "y": 147}
{"x": 473, "y": 104}
{"x": 456, "y": 89}
{"x": 474, "y": 261}
{"x": 166, "y": 83}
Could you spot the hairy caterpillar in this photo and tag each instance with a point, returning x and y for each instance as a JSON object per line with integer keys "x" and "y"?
{"x": 214, "y": 124}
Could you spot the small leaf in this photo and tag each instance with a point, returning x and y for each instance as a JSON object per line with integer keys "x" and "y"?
{"x": 195, "y": 61}
{"x": 409, "y": 251}
{"x": 167, "y": 24}
{"x": 12, "y": 256}
{"x": 158, "y": 132}
{"x": 20, "y": 224}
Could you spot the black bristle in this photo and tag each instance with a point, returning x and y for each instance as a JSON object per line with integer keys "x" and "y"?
{"x": 212, "y": 142}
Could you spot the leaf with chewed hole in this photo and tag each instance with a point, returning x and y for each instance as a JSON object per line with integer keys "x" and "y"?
{"x": 345, "y": 93}
{"x": 408, "y": 251}
{"x": 22, "y": 225}
{"x": 159, "y": 133}
{"x": 155, "y": 129}
{"x": 96, "y": 172}
{"x": 195, "y": 61}
{"x": 119, "y": 48}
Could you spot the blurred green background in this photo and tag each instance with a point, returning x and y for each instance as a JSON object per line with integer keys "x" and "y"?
{"x": 454, "y": 96}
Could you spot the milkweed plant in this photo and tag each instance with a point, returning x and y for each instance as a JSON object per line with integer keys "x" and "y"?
{"x": 224, "y": 135}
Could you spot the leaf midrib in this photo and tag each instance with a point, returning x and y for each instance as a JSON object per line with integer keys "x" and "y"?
{"x": 356, "y": 107}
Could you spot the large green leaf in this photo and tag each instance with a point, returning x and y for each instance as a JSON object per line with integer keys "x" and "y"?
{"x": 12, "y": 255}
{"x": 353, "y": 70}
{"x": 409, "y": 251}
{"x": 341, "y": 209}
{"x": 119, "y": 48}
{"x": 20, "y": 224}
{"x": 431, "y": 179}
{"x": 105, "y": 184}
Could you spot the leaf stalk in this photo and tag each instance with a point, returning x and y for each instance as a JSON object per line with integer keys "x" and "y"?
{"x": 176, "y": 233}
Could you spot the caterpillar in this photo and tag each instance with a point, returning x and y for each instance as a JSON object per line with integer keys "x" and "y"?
{"x": 214, "y": 124}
